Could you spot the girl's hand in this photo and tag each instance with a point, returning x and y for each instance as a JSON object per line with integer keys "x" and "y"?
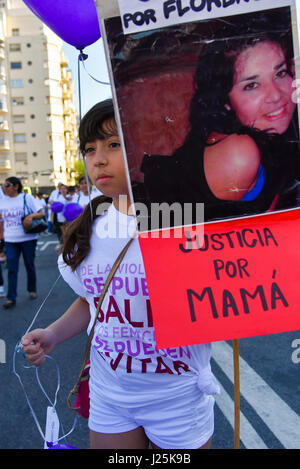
{"x": 37, "y": 344}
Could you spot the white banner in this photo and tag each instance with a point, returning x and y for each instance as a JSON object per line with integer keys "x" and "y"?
{"x": 143, "y": 15}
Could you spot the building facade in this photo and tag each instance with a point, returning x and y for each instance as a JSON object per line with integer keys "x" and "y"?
{"x": 38, "y": 139}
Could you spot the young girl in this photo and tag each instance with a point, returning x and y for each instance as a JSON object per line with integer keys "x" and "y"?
{"x": 137, "y": 393}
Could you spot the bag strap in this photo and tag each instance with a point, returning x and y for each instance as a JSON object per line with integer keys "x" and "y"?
{"x": 25, "y": 206}
{"x": 118, "y": 261}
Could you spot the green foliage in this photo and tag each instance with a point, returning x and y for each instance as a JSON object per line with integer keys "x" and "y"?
{"x": 78, "y": 170}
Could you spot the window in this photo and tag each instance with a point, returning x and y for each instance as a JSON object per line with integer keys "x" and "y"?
{"x": 15, "y": 32}
{"x": 31, "y": 98}
{"x": 29, "y": 62}
{"x": 21, "y": 157}
{"x": 18, "y": 118}
{"x": 16, "y": 83}
{"x": 19, "y": 138}
{"x": 15, "y": 65}
{"x": 14, "y": 47}
{"x": 30, "y": 80}
{"x": 17, "y": 101}
{"x": 32, "y": 116}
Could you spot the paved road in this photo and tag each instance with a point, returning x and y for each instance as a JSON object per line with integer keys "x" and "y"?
{"x": 17, "y": 427}
{"x": 269, "y": 375}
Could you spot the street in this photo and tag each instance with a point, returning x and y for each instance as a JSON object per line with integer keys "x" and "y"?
{"x": 269, "y": 375}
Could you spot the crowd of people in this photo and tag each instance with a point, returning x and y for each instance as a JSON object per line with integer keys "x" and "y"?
{"x": 57, "y": 222}
{"x": 17, "y": 210}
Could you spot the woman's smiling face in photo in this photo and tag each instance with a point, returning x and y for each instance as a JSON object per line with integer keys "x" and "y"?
{"x": 262, "y": 91}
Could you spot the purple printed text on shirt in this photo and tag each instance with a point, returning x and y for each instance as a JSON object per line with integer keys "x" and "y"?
{"x": 131, "y": 286}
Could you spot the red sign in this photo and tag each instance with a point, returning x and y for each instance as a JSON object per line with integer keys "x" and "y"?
{"x": 241, "y": 279}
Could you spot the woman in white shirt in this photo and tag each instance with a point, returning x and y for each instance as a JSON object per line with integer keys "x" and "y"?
{"x": 60, "y": 221}
{"x": 15, "y": 238}
{"x": 83, "y": 198}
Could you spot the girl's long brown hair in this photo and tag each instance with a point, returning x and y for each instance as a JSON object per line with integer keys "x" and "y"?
{"x": 76, "y": 243}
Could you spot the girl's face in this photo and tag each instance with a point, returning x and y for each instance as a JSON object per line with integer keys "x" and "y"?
{"x": 63, "y": 190}
{"x": 105, "y": 164}
{"x": 262, "y": 92}
{"x": 83, "y": 186}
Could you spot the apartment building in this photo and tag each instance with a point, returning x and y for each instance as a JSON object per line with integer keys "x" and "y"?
{"x": 38, "y": 136}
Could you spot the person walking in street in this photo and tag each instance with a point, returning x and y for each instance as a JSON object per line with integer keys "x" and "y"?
{"x": 16, "y": 241}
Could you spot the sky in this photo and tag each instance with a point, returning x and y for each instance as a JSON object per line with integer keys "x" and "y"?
{"x": 95, "y": 65}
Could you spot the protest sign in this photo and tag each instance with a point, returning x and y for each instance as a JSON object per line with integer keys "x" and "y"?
{"x": 142, "y": 15}
{"x": 191, "y": 99}
{"x": 240, "y": 280}
{"x": 175, "y": 103}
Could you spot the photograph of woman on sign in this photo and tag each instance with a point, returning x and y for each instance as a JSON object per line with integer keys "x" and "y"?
{"x": 240, "y": 152}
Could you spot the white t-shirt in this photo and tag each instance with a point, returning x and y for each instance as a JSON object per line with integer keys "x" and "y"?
{"x": 123, "y": 352}
{"x": 53, "y": 195}
{"x": 83, "y": 200}
{"x": 12, "y": 210}
{"x": 41, "y": 203}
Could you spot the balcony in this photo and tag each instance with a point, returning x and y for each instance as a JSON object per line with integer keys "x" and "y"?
{"x": 4, "y": 144}
{"x": 5, "y": 165}
{"x": 3, "y": 90}
{"x": 66, "y": 92}
{"x": 4, "y": 126}
{"x": 3, "y": 106}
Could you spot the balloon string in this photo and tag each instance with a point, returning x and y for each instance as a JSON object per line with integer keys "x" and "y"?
{"x": 19, "y": 345}
{"x": 18, "y": 348}
{"x": 95, "y": 79}
{"x": 53, "y": 404}
{"x": 81, "y": 58}
{"x": 26, "y": 396}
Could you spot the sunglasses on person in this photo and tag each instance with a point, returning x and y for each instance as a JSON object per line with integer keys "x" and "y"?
{"x": 7, "y": 184}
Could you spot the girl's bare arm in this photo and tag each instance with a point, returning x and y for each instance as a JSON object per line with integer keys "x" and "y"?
{"x": 40, "y": 342}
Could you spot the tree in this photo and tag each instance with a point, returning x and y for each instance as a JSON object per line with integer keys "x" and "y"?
{"x": 78, "y": 170}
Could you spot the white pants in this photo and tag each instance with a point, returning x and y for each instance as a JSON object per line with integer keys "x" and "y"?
{"x": 184, "y": 420}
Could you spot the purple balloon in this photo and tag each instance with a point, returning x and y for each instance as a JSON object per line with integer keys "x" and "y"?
{"x": 72, "y": 211}
{"x": 75, "y": 22}
{"x": 59, "y": 446}
{"x": 57, "y": 207}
